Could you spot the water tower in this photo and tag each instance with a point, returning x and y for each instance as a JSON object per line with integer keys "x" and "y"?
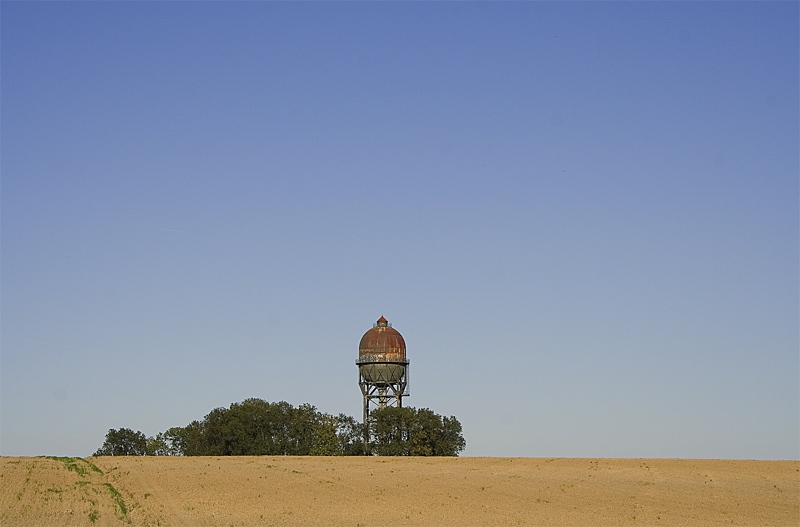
{"x": 382, "y": 367}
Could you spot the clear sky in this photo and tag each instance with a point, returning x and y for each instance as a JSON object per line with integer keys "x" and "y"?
{"x": 583, "y": 218}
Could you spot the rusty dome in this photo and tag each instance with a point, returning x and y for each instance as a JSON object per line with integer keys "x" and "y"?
{"x": 382, "y": 341}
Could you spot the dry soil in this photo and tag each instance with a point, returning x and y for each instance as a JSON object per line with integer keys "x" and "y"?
{"x": 375, "y": 491}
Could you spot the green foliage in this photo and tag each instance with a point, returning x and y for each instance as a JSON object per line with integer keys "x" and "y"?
{"x": 255, "y": 427}
{"x": 169, "y": 443}
{"x": 252, "y": 427}
{"x": 122, "y": 510}
{"x": 76, "y": 464}
{"x": 91, "y": 465}
{"x": 324, "y": 441}
{"x": 156, "y": 446}
{"x": 412, "y": 432}
{"x": 123, "y": 442}
{"x": 191, "y": 439}
{"x": 350, "y": 434}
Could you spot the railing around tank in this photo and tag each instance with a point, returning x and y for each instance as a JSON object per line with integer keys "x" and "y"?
{"x": 370, "y": 359}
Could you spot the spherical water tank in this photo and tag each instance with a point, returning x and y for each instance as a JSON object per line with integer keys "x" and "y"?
{"x": 382, "y": 354}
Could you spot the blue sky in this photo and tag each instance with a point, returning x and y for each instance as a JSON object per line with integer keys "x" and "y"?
{"x": 583, "y": 218}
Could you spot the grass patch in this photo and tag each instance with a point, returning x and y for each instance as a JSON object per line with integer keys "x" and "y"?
{"x": 76, "y": 464}
{"x": 92, "y": 466}
{"x": 93, "y": 515}
{"x": 118, "y": 502}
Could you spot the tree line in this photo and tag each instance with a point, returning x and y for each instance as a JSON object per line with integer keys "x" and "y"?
{"x": 255, "y": 427}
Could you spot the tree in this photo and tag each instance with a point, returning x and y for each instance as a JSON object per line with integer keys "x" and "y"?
{"x": 390, "y": 430}
{"x": 350, "y": 434}
{"x": 123, "y": 442}
{"x": 302, "y": 427}
{"x": 190, "y": 440}
{"x": 165, "y": 443}
{"x": 412, "y": 432}
{"x": 156, "y": 446}
{"x": 255, "y": 427}
{"x": 324, "y": 441}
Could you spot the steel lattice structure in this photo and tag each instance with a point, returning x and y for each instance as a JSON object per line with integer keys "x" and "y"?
{"x": 385, "y": 387}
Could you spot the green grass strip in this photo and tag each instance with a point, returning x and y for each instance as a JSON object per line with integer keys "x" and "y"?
{"x": 119, "y": 501}
{"x": 72, "y": 463}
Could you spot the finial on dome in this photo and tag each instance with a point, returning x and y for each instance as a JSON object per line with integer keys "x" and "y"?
{"x": 382, "y": 322}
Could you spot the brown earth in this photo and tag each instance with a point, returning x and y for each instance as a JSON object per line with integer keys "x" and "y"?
{"x": 373, "y": 491}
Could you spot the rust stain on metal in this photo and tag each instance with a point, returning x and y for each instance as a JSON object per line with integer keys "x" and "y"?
{"x": 382, "y": 342}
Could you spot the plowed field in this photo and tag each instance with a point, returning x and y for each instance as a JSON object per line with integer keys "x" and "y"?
{"x": 326, "y": 491}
